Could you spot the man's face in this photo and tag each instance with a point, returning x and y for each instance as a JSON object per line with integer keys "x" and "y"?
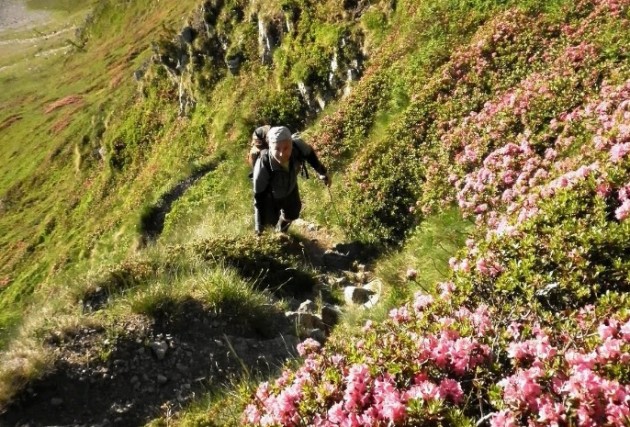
{"x": 281, "y": 150}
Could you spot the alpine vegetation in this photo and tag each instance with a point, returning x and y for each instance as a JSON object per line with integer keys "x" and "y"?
{"x": 467, "y": 262}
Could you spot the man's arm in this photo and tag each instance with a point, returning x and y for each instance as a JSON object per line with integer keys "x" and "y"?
{"x": 311, "y": 157}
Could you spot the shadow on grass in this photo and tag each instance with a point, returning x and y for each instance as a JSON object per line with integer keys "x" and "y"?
{"x": 149, "y": 366}
{"x": 152, "y": 218}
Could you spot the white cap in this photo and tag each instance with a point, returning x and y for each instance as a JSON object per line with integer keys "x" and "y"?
{"x": 278, "y": 133}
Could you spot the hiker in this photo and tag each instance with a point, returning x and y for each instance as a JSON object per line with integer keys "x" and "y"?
{"x": 276, "y": 196}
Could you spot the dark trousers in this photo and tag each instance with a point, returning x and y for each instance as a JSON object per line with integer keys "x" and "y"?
{"x": 281, "y": 212}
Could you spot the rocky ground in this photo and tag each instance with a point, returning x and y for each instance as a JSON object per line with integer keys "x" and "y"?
{"x": 15, "y": 15}
{"x": 148, "y": 367}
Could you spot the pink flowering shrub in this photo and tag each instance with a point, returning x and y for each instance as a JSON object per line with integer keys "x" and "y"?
{"x": 569, "y": 383}
{"x": 527, "y": 129}
{"x": 439, "y": 361}
{"x": 420, "y": 360}
{"x": 491, "y": 124}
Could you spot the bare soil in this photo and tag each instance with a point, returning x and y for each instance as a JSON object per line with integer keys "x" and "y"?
{"x": 105, "y": 380}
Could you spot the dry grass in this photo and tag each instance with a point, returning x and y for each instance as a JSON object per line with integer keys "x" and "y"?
{"x": 23, "y": 362}
{"x": 6, "y": 123}
{"x": 68, "y": 100}
{"x": 65, "y": 120}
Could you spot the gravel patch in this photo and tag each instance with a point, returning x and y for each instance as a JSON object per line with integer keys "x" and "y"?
{"x": 14, "y": 14}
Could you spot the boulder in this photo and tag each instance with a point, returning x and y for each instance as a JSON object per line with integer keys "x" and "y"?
{"x": 233, "y": 63}
{"x": 376, "y": 287}
{"x": 307, "y": 306}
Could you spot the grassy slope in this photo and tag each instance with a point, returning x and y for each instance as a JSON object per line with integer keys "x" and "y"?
{"x": 63, "y": 104}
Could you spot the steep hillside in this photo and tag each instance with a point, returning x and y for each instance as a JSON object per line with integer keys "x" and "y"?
{"x": 129, "y": 266}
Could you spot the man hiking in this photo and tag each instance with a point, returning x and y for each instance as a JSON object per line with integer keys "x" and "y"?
{"x": 276, "y": 196}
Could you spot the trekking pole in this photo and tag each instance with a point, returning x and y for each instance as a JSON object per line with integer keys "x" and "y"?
{"x": 332, "y": 202}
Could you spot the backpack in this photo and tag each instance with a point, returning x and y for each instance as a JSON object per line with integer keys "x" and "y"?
{"x": 258, "y": 144}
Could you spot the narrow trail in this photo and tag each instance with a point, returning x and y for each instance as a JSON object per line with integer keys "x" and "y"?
{"x": 38, "y": 39}
{"x": 148, "y": 367}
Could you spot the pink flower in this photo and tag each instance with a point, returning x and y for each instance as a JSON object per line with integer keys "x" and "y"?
{"x": 504, "y": 419}
{"x": 422, "y": 301}
{"x": 579, "y": 360}
{"x": 518, "y": 350}
{"x": 619, "y": 151}
{"x": 610, "y": 349}
{"x": 618, "y": 415}
{"x": 603, "y": 190}
{"x": 308, "y": 346}
{"x": 251, "y": 415}
{"x": 622, "y": 212}
{"x": 399, "y": 315}
{"x": 446, "y": 288}
{"x": 514, "y": 329}
{"x": 549, "y": 412}
{"x": 451, "y": 389}
{"x": 609, "y": 330}
{"x": 336, "y": 414}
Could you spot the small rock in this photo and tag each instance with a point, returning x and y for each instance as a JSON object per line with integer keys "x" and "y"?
{"x": 138, "y": 75}
{"x": 56, "y": 401}
{"x": 362, "y": 277}
{"x": 188, "y": 35}
{"x": 233, "y": 64}
{"x": 337, "y": 281}
{"x": 307, "y": 306}
{"x": 134, "y": 379}
{"x": 161, "y": 379}
{"x": 376, "y": 287}
{"x": 159, "y": 349}
{"x": 181, "y": 367}
{"x": 355, "y": 295}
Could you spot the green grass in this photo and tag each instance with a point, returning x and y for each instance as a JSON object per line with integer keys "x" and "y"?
{"x": 427, "y": 251}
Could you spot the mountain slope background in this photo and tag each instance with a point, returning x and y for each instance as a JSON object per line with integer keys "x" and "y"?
{"x": 500, "y": 128}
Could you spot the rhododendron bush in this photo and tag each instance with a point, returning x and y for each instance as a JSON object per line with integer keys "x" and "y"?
{"x": 527, "y": 129}
{"x": 436, "y": 361}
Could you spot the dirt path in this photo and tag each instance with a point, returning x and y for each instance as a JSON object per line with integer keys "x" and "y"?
{"x": 14, "y": 15}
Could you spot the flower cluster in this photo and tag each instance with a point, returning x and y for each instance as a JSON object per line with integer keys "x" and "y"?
{"x": 359, "y": 390}
{"x": 565, "y": 386}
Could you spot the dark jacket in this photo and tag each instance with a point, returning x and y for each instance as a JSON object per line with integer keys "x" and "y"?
{"x": 272, "y": 182}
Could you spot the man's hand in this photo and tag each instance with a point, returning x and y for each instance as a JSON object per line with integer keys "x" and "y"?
{"x": 325, "y": 179}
